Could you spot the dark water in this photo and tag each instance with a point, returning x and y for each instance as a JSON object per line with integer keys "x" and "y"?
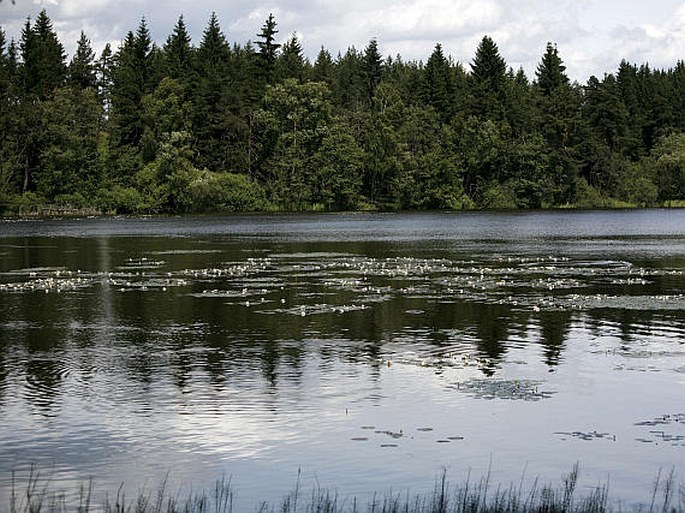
{"x": 364, "y": 352}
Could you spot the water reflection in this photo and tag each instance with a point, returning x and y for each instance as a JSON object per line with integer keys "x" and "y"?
{"x": 240, "y": 346}
{"x": 230, "y": 314}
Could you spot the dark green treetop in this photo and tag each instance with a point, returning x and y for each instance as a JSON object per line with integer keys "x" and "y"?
{"x": 178, "y": 52}
{"x": 268, "y": 48}
{"x": 372, "y": 68}
{"x": 438, "y": 85}
{"x": 489, "y": 77}
{"x": 291, "y": 62}
{"x": 551, "y": 72}
{"x": 44, "y": 59}
{"x": 82, "y": 65}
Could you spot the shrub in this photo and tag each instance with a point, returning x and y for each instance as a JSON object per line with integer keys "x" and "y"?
{"x": 224, "y": 192}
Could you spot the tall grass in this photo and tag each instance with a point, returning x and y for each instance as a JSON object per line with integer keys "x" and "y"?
{"x": 34, "y": 496}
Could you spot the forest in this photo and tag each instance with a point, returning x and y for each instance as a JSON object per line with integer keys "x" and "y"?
{"x": 228, "y": 127}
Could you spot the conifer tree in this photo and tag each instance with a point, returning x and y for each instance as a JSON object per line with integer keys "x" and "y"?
{"x": 372, "y": 69}
{"x": 437, "y": 84}
{"x": 178, "y": 52}
{"x": 323, "y": 67}
{"x": 291, "y": 62}
{"x": 44, "y": 67}
{"x": 349, "y": 80}
{"x": 82, "y": 66}
{"x": 104, "y": 69}
{"x": 268, "y": 49}
{"x": 551, "y": 72}
{"x": 489, "y": 75}
{"x": 218, "y": 126}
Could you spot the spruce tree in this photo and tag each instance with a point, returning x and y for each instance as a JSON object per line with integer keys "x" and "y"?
{"x": 348, "y": 87}
{"x": 323, "y": 67}
{"x": 82, "y": 66}
{"x": 372, "y": 69}
{"x": 551, "y": 72}
{"x": 268, "y": 48}
{"x": 135, "y": 75}
{"x": 104, "y": 69}
{"x": 44, "y": 67}
{"x": 437, "y": 84}
{"x": 489, "y": 76}
{"x": 178, "y": 52}
{"x": 219, "y": 127}
{"x": 291, "y": 62}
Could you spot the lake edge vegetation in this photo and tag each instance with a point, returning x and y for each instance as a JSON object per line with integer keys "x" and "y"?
{"x": 477, "y": 496}
{"x": 220, "y": 127}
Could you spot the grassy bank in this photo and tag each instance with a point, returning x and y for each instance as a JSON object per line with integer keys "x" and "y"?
{"x": 34, "y": 495}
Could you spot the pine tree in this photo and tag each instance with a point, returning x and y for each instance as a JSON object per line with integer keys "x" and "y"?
{"x": 551, "y": 72}
{"x": 82, "y": 66}
{"x": 9, "y": 154}
{"x": 268, "y": 48}
{"x": 44, "y": 68}
{"x": 437, "y": 84}
{"x": 323, "y": 69}
{"x": 178, "y": 52}
{"x": 348, "y": 87}
{"x": 219, "y": 127}
{"x": 291, "y": 62}
{"x": 489, "y": 76}
{"x": 104, "y": 69}
{"x": 372, "y": 69}
{"x": 135, "y": 75}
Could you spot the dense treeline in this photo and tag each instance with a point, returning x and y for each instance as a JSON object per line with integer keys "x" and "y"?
{"x": 229, "y": 127}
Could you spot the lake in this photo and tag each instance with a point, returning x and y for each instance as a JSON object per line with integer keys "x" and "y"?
{"x": 358, "y": 352}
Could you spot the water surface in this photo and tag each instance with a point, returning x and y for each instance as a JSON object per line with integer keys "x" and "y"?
{"x": 362, "y": 352}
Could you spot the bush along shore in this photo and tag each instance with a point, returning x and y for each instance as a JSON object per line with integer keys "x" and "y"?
{"x": 215, "y": 126}
{"x": 666, "y": 496}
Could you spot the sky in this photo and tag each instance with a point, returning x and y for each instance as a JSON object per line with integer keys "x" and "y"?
{"x": 592, "y": 36}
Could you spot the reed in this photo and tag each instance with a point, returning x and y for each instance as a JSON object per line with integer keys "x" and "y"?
{"x": 34, "y": 496}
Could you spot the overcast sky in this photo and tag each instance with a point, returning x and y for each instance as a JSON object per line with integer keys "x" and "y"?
{"x": 592, "y": 35}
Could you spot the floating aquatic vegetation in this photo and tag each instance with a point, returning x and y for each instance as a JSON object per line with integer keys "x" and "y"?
{"x": 391, "y": 434}
{"x": 140, "y": 283}
{"x": 141, "y": 263}
{"x": 672, "y": 421}
{"x": 47, "y": 279}
{"x": 318, "y": 309}
{"x": 664, "y": 420}
{"x": 230, "y": 293}
{"x": 491, "y": 388}
{"x": 586, "y": 435}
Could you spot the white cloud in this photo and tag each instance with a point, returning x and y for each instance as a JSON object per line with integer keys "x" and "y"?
{"x": 592, "y": 35}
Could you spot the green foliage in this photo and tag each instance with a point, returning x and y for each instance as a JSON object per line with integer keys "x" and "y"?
{"x": 499, "y": 196}
{"x": 551, "y": 72}
{"x": 163, "y": 183}
{"x": 293, "y": 123}
{"x": 268, "y": 48}
{"x": 224, "y": 192}
{"x": 70, "y": 150}
{"x": 338, "y": 162}
{"x": 119, "y": 199}
{"x": 438, "y": 85}
{"x": 234, "y": 128}
{"x": 82, "y": 65}
{"x": 489, "y": 77}
{"x": 669, "y": 160}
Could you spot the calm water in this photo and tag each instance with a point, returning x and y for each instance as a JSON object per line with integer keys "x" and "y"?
{"x": 363, "y": 352}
